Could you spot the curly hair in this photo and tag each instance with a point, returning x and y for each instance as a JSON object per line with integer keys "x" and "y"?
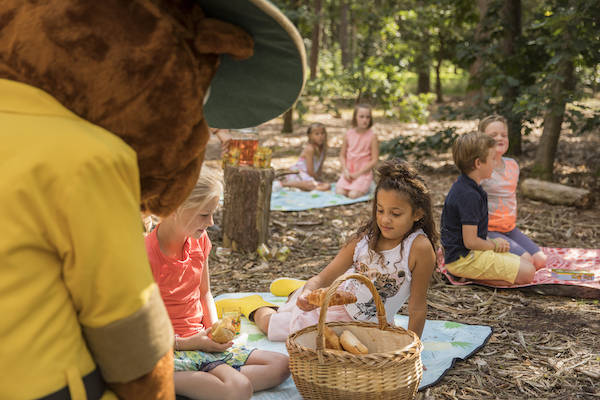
{"x": 398, "y": 175}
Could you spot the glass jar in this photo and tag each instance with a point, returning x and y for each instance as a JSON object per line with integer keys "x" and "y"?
{"x": 246, "y": 140}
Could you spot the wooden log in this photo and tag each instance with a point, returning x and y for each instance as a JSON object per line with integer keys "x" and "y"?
{"x": 555, "y": 193}
{"x": 246, "y": 206}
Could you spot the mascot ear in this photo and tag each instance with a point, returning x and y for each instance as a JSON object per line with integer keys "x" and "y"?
{"x": 218, "y": 37}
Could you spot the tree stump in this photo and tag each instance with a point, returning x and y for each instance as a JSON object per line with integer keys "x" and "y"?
{"x": 246, "y": 207}
{"x": 555, "y": 193}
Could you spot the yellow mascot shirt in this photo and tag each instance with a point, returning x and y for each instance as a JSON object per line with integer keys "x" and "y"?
{"x": 76, "y": 289}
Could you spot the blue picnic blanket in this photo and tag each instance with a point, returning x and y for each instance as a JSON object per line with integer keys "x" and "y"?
{"x": 444, "y": 343}
{"x": 291, "y": 199}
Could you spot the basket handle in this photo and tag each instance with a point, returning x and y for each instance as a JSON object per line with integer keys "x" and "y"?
{"x": 332, "y": 289}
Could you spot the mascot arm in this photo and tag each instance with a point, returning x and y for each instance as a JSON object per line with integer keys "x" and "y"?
{"x": 106, "y": 271}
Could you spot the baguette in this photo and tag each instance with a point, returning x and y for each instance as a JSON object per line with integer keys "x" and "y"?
{"x": 339, "y": 298}
{"x": 351, "y": 344}
{"x": 223, "y": 331}
{"x": 332, "y": 341}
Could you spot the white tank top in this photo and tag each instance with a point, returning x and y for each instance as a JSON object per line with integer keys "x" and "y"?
{"x": 391, "y": 277}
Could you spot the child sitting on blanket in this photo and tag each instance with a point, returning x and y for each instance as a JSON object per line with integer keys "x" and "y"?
{"x": 178, "y": 251}
{"x": 359, "y": 154}
{"x": 309, "y": 165}
{"x": 394, "y": 249}
{"x": 467, "y": 251}
{"x": 501, "y": 189}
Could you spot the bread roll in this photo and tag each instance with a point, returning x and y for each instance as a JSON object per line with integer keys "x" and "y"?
{"x": 351, "y": 344}
{"x": 223, "y": 331}
{"x": 339, "y": 298}
{"x": 332, "y": 341}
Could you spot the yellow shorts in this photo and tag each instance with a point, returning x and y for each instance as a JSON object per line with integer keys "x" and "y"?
{"x": 487, "y": 265}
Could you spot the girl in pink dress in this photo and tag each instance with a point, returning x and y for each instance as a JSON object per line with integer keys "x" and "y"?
{"x": 359, "y": 154}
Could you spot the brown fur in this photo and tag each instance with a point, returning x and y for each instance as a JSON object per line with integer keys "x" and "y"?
{"x": 138, "y": 68}
{"x": 157, "y": 385}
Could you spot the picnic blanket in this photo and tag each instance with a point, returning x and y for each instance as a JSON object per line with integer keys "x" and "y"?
{"x": 292, "y": 199}
{"x": 547, "y": 281}
{"x": 444, "y": 343}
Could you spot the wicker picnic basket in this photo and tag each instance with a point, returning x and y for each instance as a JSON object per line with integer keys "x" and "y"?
{"x": 391, "y": 370}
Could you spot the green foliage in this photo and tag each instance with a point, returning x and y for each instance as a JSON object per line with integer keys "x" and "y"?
{"x": 583, "y": 119}
{"x": 414, "y": 108}
{"x": 554, "y": 32}
{"x": 421, "y": 146}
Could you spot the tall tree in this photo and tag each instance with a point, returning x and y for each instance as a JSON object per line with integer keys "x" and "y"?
{"x": 316, "y": 34}
{"x": 474, "y": 90}
{"x": 559, "y": 90}
{"x": 511, "y": 16}
{"x": 343, "y": 34}
{"x": 569, "y": 33}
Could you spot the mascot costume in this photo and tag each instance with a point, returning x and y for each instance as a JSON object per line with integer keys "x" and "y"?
{"x": 105, "y": 108}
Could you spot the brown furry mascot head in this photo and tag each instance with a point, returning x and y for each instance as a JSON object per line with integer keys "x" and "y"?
{"x": 142, "y": 70}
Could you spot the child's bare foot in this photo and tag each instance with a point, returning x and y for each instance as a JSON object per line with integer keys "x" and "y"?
{"x": 323, "y": 186}
{"x": 539, "y": 260}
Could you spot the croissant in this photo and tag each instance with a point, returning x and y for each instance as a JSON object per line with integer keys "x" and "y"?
{"x": 223, "y": 331}
{"x": 339, "y": 298}
{"x": 351, "y": 344}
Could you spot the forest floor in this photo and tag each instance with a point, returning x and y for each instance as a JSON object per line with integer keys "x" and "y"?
{"x": 542, "y": 347}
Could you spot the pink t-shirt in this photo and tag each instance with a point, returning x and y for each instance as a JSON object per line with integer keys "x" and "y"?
{"x": 501, "y": 189}
{"x": 179, "y": 281}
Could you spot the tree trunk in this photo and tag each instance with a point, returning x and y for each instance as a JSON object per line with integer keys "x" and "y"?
{"x": 423, "y": 65}
{"x": 438, "y": 82}
{"x": 316, "y": 34}
{"x": 553, "y": 118}
{"x": 475, "y": 92}
{"x": 246, "y": 207}
{"x": 555, "y": 193}
{"x": 353, "y": 31}
{"x": 343, "y": 34}
{"x": 423, "y": 81}
{"x": 288, "y": 121}
{"x": 511, "y": 15}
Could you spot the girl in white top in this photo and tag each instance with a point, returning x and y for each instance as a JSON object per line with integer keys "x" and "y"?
{"x": 394, "y": 249}
{"x": 309, "y": 165}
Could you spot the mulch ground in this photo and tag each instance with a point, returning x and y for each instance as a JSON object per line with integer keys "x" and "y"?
{"x": 543, "y": 347}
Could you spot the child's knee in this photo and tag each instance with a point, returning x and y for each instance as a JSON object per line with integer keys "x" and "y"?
{"x": 526, "y": 272}
{"x": 527, "y": 257}
{"x": 239, "y": 387}
{"x": 279, "y": 366}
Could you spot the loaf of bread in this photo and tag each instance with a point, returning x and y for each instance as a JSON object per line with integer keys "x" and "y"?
{"x": 223, "y": 331}
{"x": 332, "y": 341}
{"x": 351, "y": 344}
{"x": 339, "y": 298}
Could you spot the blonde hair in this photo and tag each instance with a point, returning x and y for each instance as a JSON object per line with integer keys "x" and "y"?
{"x": 469, "y": 147}
{"x": 323, "y": 147}
{"x": 489, "y": 119}
{"x": 208, "y": 186}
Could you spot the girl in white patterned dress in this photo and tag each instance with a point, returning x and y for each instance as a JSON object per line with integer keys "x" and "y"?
{"x": 394, "y": 249}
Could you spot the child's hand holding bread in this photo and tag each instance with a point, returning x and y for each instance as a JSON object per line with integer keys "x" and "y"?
{"x": 223, "y": 330}
{"x": 313, "y": 299}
